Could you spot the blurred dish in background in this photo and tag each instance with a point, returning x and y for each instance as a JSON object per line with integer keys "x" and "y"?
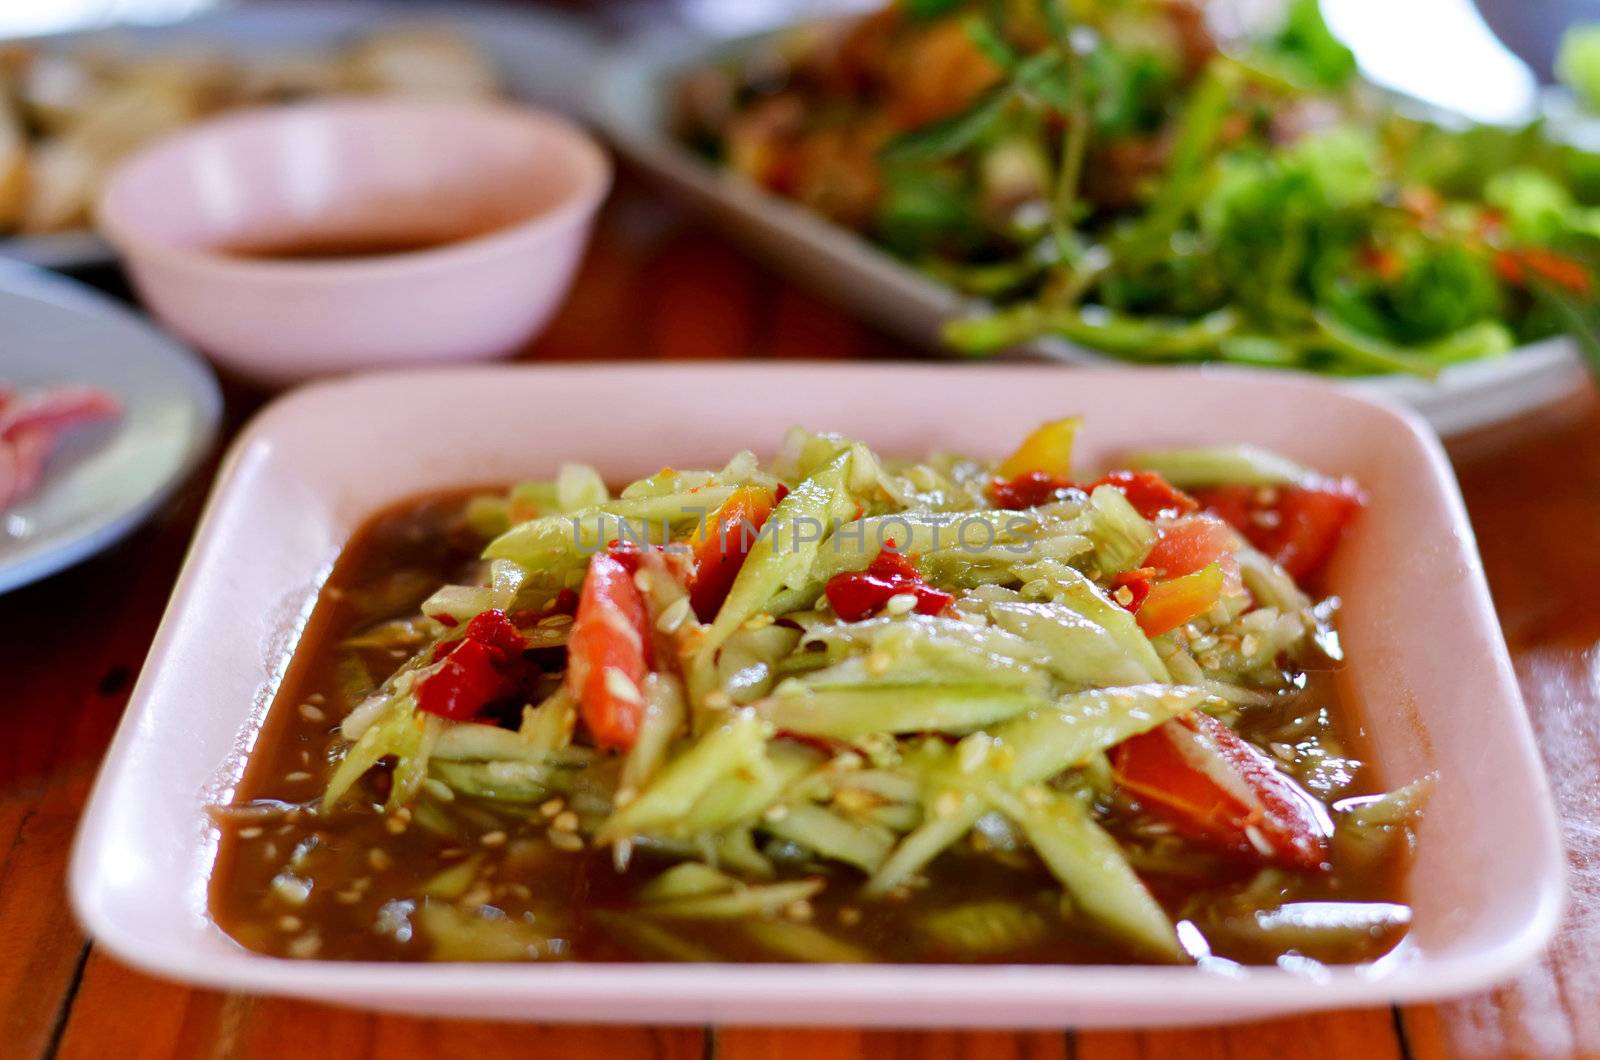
{"x": 102, "y": 478}
{"x": 1313, "y": 228}
{"x": 334, "y": 235}
{"x": 73, "y": 115}
{"x": 73, "y": 105}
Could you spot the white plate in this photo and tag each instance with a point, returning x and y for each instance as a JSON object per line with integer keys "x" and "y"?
{"x": 544, "y": 58}
{"x": 632, "y": 98}
{"x": 1426, "y": 662}
{"x": 107, "y": 477}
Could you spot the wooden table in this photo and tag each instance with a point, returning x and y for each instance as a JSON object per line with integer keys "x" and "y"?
{"x": 658, "y": 286}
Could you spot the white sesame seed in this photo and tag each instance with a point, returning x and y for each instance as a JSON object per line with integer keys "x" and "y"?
{"x": 673, "y": 618}
{"x": 312, "y": 713}
{"x": 621, "y": 686}
{"x": 291, "y": 889}
{"x": 496, "y": 838}
{"x": 901, "y": 604}
{"x": 567, "y": 841}
{"x": 566, "y": 821}
{"x": 551, "y": 807}
{"x": 289, "y": 923}
{"x": 972, "y": 752}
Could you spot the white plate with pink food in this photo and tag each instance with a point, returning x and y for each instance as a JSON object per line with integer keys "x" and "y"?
{"x": 101, "y": 417}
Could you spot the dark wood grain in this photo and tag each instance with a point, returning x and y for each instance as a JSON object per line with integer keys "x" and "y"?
{"x": 656, "y": 287}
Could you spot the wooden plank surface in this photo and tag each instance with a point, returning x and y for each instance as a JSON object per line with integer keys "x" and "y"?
{"x": 655, "y": 286}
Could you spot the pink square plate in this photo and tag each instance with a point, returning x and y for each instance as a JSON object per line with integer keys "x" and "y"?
{"x": 1427, "y": 667}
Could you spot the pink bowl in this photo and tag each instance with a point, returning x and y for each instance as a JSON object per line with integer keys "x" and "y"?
{"x": 502, "y": 196}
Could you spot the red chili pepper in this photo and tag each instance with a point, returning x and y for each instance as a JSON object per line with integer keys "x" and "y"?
{"x": 858, "y": 594}
{"x": 475, "y": 670}
{"x": 495, "y": 630}
{"x": 1384, "y": 263}
{"x": 1137, "y": 582}
{"x": 1027, "y": 490}
{"x": 1560, "y": 270}
{"x": 1422, "y": 202}
{"x": 1151, "y": 495}
{"x": 720, "y": 545}
{"x": 1517, "y": 266}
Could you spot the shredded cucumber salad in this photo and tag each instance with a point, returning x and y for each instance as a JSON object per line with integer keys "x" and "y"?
{"x": 833, "y": 670}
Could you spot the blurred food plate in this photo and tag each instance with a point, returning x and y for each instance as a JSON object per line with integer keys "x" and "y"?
{"x": 103, "y": 478}
{"x": 289, "y": 48}
{"x": 632, "y": 104}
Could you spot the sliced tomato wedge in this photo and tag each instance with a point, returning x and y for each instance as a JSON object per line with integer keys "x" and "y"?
{"x": 1190, "y": 544}
{"x": 608, "y": 653}
{"x": 1171, "y": 603}
{"x": 721, "y": 543}
{"x": 1298, "y": 526}
{"x": 1214, "y": 787}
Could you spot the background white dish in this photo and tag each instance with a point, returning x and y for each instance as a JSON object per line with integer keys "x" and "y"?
{"x": 543, "y": 57}
{"x": 1427, "y": 666}
{"x": 632, "y": 99}
{"x": 106, "y": 477}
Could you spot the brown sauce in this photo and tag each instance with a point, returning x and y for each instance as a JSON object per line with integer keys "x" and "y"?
{"x": 364, "y": 875}
{"x": 341, "y": 248}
